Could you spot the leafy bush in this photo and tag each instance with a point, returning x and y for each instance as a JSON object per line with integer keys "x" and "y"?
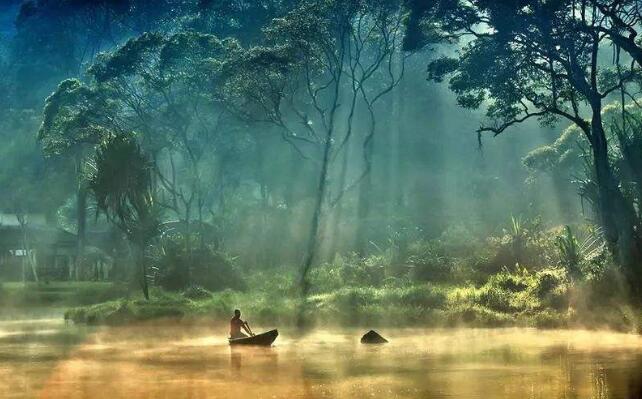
{"x": 351, "y": 270}
{"x": 569, "y": 250}
{"x": 460, "y": 241}
{"x": 215, "y": 271}
{"x": 370, "y": 271}
{"x": 552, "y": 289}
{"x": 177, "y": 267}
{"x": 581, "y": 257}
{"x": 429, "y": 262}
{"x": 196, "y": 292}
{"x": 520, "y": 291}
{"x": 509, "y": 282}
{"x": 524, "y": 242}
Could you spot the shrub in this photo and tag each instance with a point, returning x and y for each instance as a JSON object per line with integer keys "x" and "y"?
{"x": 370, "y": 271}
{"x": 177, "y": 268}
{"x": 350, "y": 298}
{"x": 459, "y": 241}
{"x": 582, "y": 257}
{"x": 216, "y": 271}
{"x": 508, "y": 282}
{"x": 523, "y": 243}
{"x": 196, "y": 292}
{"x": 551, "y": 287}
{"x": 429, "y": 261}
{"x": 477, "y": 316}
{"x": 515, "y": 292}
{"x": 351, "y": 270}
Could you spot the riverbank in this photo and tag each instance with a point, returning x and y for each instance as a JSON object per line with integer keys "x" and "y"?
{"x": 544, "y": 300}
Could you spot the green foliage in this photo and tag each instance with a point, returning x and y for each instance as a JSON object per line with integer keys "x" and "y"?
{"x": 363, "y": 305}
{"x": 518, "y": 292}
{"x": 428, "y": 261}
{"x": 569, "y": 251}
{"x": 351, "y": 270}
{"x": 563, "y": 156}
{"x": 195, "y": 292}
{"x": 127, "y": 59}
{"x": 545, "y": 298}
{"x": 122, "y": 187}
{"x": 582, "y": 258}
{"x": 74, "y": 118}
{"x": 179, "y": 266}
{"x": 124, "y": 191}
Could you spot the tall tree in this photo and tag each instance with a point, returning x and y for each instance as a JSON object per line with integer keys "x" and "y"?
{"x": 74, "y": 120}
{"x": 540, "y": 60}
{"x": 323, "y": 64}
{"x": 162, "y": 88}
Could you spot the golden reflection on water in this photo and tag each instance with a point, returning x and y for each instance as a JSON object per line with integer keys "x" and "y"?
{"x": 50, "y": 360}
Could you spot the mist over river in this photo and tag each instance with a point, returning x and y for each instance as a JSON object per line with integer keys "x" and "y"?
{"x": 46, "y": 358}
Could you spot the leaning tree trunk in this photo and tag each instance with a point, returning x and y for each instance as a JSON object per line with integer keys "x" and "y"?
{"x": 315, "y": 233}
{"x": 616, "y": 214}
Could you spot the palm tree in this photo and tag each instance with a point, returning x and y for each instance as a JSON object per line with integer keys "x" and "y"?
{"x": 122, "y": 186}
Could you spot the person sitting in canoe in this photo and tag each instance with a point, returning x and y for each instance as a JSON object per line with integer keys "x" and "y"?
{"x": 236, "y": 324}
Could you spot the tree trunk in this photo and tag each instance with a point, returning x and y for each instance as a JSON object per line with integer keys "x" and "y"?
{"x": 394, "y": 159}
{"x": 337, "y": 233}
{"x": 29, "y": 254}
{"x": 315, "y": 233}
{"x": 140, "y": 259}
{"x": 616, "y": 214}
{"x": 81, "y": 216}
{"x": 363, "y": 215}
{"x": 365, "y": 195}
{"x": 263, "y": 253}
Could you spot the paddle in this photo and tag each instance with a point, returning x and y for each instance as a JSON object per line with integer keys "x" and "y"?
{"x": 247, "y": 327}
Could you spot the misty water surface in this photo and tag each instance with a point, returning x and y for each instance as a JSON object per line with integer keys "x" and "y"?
{"x": 47, "y": 359}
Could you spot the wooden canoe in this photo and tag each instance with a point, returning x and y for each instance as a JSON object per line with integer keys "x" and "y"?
{"x": 264, "y": 339}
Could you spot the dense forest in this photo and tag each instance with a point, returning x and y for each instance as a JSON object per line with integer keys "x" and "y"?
{"x": 413, "y": 162}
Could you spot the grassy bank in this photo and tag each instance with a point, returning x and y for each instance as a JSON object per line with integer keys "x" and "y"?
{"x": 544, "y": 299}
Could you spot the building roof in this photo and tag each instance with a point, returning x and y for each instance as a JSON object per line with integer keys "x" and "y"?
{"x": 10, "y": 219}
{"x": 11, "y": 237}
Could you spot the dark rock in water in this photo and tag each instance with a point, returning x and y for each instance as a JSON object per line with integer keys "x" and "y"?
{"x": 373, "y": 337}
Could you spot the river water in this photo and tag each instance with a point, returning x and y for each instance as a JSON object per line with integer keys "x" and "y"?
{"x": 48, "y": 359}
